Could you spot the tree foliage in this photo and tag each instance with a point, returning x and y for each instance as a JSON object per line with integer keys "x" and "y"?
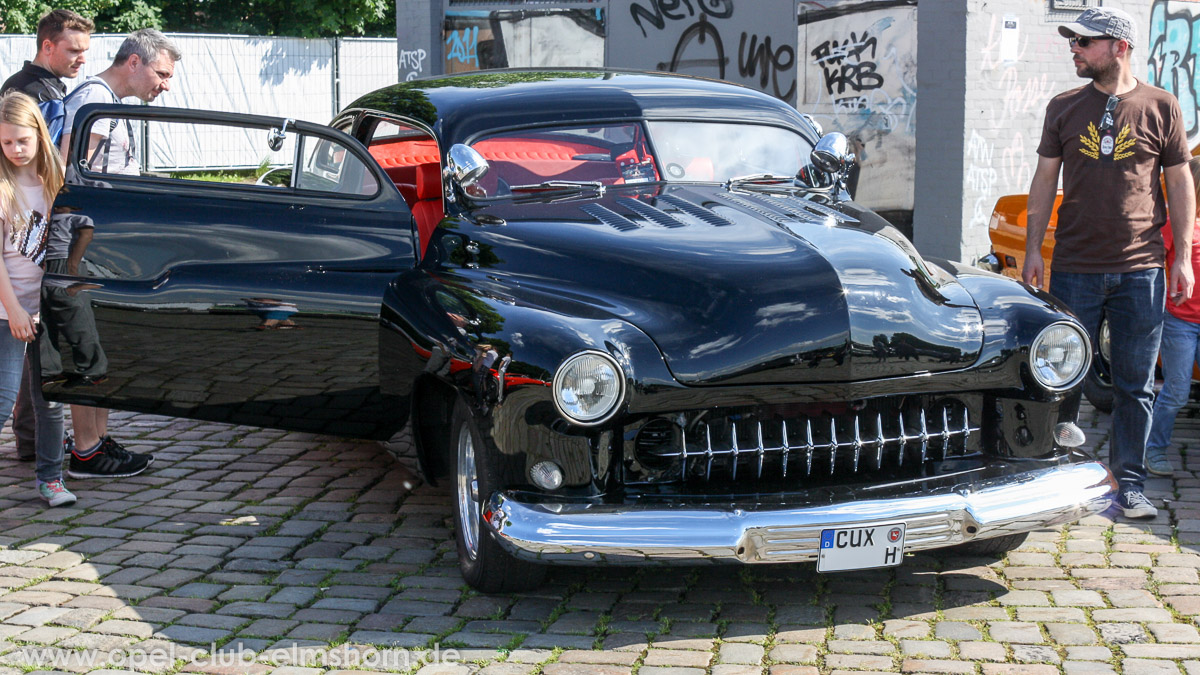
{"x": 293, "y": 18}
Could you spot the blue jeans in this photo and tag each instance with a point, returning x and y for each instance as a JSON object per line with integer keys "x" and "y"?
{"x": 1134, "y": 305}
{"x": 49, "y": 417}
{"x": 1180, "y": 348}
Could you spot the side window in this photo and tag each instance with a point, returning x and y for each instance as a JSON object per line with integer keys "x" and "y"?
{"x": 329, "y": 167}
{"x": 247, "y": 155}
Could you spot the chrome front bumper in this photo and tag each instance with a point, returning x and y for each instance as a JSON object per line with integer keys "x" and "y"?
{"x": 642, "y": 534}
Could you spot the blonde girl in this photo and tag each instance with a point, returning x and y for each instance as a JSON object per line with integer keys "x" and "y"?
{"x": 31, "y": 174}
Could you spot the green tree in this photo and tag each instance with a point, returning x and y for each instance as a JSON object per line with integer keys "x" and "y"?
{"x": 292, "y": 18}
{"x": 111, "y": 16}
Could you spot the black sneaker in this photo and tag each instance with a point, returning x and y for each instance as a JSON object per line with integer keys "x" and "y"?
{"x": 1135, "y": 505}
{"x": 109, "y": 461}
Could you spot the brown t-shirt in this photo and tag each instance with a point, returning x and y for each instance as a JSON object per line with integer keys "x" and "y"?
{"x": 1113, "y": 204}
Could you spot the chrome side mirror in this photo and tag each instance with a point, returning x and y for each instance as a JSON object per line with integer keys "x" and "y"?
{"x": 464, "y": 165}
{"x": 275, "y": 137}
{"x": 832, "y": 153}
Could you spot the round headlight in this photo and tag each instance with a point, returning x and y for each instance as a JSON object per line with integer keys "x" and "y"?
{"x": 588, "y": 388}
{"x": 1060, "y": 356}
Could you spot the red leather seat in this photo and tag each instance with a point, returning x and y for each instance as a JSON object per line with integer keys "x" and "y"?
{"x": 428, "y": 208}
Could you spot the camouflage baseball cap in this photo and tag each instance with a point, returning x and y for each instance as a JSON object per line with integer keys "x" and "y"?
{"x": 1100, "y": 21}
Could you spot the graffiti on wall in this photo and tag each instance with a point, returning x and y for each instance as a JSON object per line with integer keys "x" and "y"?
{"x": 1174, "y": 51}
{"x": 1001, "y": 161}
{"x": 463, "y": 46}
{"x": 478, "y": 39}
{"x": 412, "y": 63}
{"x": 715, "y": 38}
{"x": 859, "y": 64}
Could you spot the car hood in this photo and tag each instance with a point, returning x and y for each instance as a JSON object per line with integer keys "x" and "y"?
{"x": 734, "y": 286}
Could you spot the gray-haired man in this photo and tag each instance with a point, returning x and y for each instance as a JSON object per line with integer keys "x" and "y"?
{"x": 142, "y": 68}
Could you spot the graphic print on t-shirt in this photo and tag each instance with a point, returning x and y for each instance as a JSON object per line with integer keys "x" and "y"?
{"x": 30, "y": 239}
{"x": 1117, "y": 149}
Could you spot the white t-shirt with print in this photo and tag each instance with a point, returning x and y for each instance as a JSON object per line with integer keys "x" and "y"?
{"x": 24, "y": 275}
{"x": 122, "y": 158}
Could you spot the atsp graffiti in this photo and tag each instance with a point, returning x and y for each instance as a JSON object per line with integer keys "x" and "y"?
{"x": 844, "y": 66}
{"x": 413, "y": 61}
{"x": 463, "y": 47}
{"x": 1174, "y": 50}
{"x": 981, "y": 178}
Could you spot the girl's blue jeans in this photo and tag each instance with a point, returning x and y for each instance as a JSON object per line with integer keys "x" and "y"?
{"x": 49, "y": 415}
{"x": 1180, "y": 348}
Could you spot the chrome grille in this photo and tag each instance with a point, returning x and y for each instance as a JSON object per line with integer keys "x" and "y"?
{"x": 757, "y": 447}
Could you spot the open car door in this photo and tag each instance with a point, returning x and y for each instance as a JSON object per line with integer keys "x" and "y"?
{"x": 242, "y": 283}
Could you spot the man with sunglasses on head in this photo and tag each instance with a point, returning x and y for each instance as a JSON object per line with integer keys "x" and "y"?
{"x": 1111, "y": 138}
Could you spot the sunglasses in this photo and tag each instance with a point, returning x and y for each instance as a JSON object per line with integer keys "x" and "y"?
{"x": 1085, "y": 42}
{"x": 1106, "y": 122}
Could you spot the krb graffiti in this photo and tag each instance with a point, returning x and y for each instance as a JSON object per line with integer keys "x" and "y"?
{"x": 700, "y": 36}
{"x": 844, "y": 64}
{"x": 1174, "y": 50}
{"x": 861, "y": 80}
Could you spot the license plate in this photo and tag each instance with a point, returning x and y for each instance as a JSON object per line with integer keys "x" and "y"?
{"x": 860, "y": 548}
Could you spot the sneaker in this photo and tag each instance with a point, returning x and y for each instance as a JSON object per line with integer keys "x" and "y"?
{"x": 110, "y": 460}
{"x": 55, "y": 493}
{"x": 1135, "y": 505}
{"x": 112, "y": 444}
{"x": 1159, "y": 466}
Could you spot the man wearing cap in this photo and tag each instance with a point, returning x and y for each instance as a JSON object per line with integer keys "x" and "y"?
{"x": 1111, "y": 138}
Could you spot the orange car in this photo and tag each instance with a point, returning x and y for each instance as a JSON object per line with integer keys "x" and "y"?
{"x": 1007, "y": 232}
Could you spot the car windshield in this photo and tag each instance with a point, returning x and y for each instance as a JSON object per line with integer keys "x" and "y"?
{"x": 623, "y": 153}
{"x": 717, "y": 151}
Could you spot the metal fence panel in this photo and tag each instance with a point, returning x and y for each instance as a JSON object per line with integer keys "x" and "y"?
{"x": 307, "y": 79}
{"x": 364, "y": 65}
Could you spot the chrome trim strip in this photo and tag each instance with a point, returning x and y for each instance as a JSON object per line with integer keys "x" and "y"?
{"x": 641, "y": 534}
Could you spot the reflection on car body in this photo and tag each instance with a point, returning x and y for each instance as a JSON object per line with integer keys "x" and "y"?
{"x": 667, "y": 351}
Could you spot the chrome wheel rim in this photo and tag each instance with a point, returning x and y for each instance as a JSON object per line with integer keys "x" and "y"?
{"x": 468, "y": 505}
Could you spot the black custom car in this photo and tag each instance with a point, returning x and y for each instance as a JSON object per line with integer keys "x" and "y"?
{"x": 629, "y": 317}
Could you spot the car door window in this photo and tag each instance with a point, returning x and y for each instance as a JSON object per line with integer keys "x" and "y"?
{"x": 260, "y": 155}
{"x": 328, "y": 166}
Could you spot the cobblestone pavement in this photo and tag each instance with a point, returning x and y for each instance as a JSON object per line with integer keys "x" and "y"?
{"x": 295, "y": 554}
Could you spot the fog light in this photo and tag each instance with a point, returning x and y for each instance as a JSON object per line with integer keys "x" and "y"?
{"x": 1067, "y": 435}
{"x": 546, "y": 475}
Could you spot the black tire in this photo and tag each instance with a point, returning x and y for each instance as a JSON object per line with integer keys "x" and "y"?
{"x": 996, "y": 546}
{"x": 1097, "y": 386}
{"x": 484, "y": 564}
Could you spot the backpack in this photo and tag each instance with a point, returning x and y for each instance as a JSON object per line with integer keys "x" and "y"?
{"x": 55, "y": 112}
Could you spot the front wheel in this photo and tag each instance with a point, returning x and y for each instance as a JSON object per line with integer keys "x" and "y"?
{"x": 1097, "y": 386}
{"x": 482, "y": 561}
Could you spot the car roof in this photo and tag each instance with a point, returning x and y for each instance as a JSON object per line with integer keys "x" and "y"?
{"x": 459, "y": 107}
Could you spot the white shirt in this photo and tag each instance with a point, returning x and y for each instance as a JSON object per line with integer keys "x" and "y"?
{"x": 122, "y": 158}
